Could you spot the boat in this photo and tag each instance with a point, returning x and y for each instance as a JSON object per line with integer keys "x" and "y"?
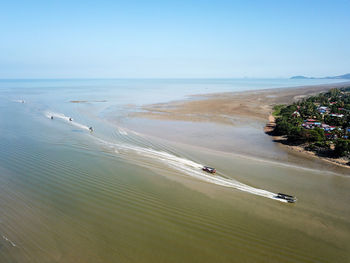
{"x": 70, "y": 119}
{"x": 209, "y": 169}
{"x": 91, "y": 129}
{"x": 289, "y": 198}
{"x": 51, "y": 117}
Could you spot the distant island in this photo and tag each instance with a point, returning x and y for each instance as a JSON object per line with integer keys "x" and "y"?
{"x": 345, "y": 76}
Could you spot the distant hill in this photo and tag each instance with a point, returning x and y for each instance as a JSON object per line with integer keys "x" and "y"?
{"x": 345, "y": 76}
{"x": 300, "y": 77}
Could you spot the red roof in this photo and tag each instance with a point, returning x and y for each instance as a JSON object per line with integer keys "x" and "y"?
{"x": 311, "y": 120}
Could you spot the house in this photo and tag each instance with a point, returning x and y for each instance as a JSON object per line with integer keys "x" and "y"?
{"x": 328, "y": 135}
{"x": 337, "y": 115}
{"x": 309, "y": 123}
{"x": 323, "y": 109}
{"x": 306, "y": 126}
{"x": 296, "y": 114}
{"x": 326, "y": 127}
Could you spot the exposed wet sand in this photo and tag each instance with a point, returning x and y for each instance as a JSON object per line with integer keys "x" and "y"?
{"x": 224, "y": 107}
{"x": 68, "y": 195}
{"x": 239, "y": 109}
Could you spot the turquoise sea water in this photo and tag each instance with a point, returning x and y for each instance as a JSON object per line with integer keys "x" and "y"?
{"x": 69, "y": 195}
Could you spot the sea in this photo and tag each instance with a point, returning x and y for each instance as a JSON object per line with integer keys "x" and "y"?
{"x": 112, "y": 193}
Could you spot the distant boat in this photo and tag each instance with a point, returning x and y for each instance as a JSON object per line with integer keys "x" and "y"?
{"x": 209, "y": 169}
{"x": 289, "y": 198}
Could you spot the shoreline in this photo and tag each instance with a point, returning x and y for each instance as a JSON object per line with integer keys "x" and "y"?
{"x": 222, "y": 107}
{"x": 298, "y": 148}
{"x": 238, "y": 109}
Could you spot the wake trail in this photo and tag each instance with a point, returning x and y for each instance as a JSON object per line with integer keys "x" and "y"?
{"x": 19, "y": 101}
{"x": 190, "y": 168}
{"x": 184, "y": 166}
{"x": 8, "y": 240}
{"x": 61, "y": 116}
{"x": 122, "y": 131}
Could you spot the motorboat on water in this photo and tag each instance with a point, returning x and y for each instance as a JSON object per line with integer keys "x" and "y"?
{"x": 70, "y": 119}
{"x": 288, "y": 198}
{"x": 91, "y": 129}
{"x": 209, "y": 169}
{"x": 51, "y": 117}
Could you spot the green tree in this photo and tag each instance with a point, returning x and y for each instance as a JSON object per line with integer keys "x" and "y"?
{"x": 296, "y": 134}
{"x": 314, "y": 135}
{"x": 342, "y": 148}
{"x": 283, "y": 127}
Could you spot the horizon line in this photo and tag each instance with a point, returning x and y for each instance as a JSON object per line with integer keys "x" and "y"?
{"x": 148, "y": 78}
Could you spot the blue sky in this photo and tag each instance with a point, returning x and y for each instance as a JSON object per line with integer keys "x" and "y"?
{"x": 173, "y": 39}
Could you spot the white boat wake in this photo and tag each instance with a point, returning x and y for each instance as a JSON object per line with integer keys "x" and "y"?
{"x": 184, "y": 166}
{"x": 19, "y": 101}
{"x": 61, "y": 116}
{"x": 122, "y": 131}
{"x": 190, "y": 168}
{"x": 8, "y": 240}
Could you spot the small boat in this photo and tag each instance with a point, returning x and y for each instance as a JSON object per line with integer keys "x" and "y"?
{"x": 51, "y": 117}
{"x": 91, "y": 129}
{"x": 289, "y": 198}
{"x": 209, "y": 169}
{"x": 70, "y": 119}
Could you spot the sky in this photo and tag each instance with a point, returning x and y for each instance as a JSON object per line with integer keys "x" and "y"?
{"x": 174, "y": 39}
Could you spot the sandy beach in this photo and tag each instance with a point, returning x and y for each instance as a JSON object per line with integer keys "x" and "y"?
{"x": 237, "y": 109}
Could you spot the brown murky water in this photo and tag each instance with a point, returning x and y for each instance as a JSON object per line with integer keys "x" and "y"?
{"x": 70, "y": 196}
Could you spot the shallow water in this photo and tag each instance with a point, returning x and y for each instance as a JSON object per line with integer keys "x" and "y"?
{"x": 68, "y": 195}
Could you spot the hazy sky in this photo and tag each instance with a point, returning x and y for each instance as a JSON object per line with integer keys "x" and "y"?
{"x": 161, "y": 39}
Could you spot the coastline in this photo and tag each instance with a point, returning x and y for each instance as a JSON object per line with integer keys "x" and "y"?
{"x": 222, "y": 107}
{"x": 238, "y": 109}
{"x": 300, "y": 149}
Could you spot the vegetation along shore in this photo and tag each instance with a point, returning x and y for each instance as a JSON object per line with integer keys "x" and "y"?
{"x": 320, "y": 124}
